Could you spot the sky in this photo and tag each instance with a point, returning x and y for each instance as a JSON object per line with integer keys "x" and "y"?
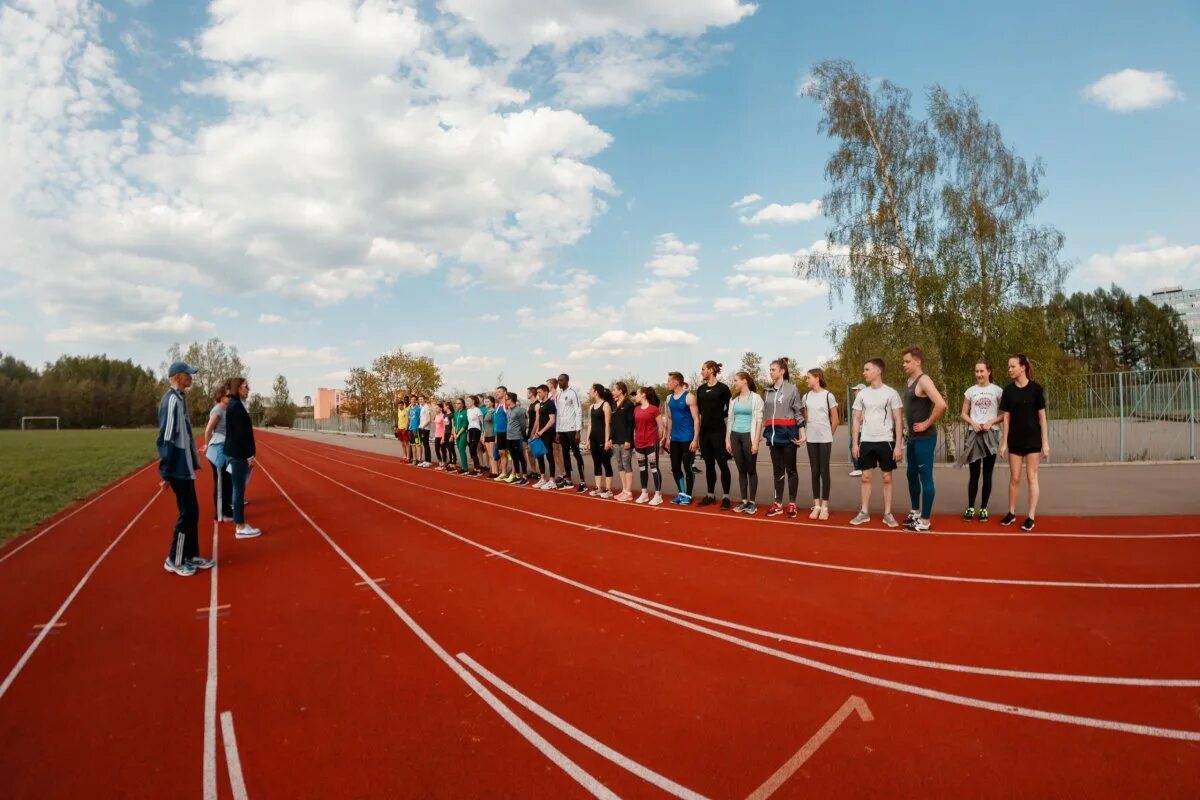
{"x": 600, "y": 189}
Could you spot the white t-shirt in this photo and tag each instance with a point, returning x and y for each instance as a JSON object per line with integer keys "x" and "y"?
{"x": 818, "y": 405}
{"x": 985, "y": 401}
{"x": 569, "y": 411}
{"x": 877, "y": 406}
{"x": 474, "y": 418}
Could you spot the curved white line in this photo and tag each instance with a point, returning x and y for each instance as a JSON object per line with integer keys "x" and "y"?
{"x": 907, "y": 688}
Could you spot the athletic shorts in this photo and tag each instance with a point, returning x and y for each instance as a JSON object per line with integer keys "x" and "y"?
{"x": 403, "y": 434}
{"x": 712, "y": 445}
{"x": 877, "y": 454}
{"x": 623, "y": 457}
{"x": 1023, "y": 449}
{"x": 489, "y": 439}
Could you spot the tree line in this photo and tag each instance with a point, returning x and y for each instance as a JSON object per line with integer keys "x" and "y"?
{"x": 373, "y": 392}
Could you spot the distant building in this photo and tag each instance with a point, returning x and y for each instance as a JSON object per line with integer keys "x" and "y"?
{"x": 1186, "y": 302}
{"x": 329, "y": 403}
{"x": 308, "y": 399}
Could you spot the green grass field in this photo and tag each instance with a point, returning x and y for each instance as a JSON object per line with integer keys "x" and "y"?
{"x": 43, "y": 471}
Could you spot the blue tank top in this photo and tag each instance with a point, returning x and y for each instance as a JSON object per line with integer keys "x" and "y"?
{"x": 682, "y": 429}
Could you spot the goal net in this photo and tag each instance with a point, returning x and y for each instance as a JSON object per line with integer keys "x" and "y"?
{"x": 39, "y": 423}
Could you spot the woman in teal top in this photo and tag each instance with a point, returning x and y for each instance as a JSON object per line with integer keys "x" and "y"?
{"x": 460, "y": 433}
{"x": 744, "y": 428}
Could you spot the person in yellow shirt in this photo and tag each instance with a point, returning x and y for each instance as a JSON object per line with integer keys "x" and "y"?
{"x": 402, "y": 429}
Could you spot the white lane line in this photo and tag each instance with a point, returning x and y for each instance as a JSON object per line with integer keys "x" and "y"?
{"x": 49, "y": 626}
{"x": 493, "y": 555}
{"x": 209, "y": 609}
{"x": 852, "y": 705}
{"x": 210, "y": 684}
{"x": 915, "y": 662}
{"x": 9, "y": 552}
{"x": 994, "y": 534}
{"x": 645, "y": 773}
{"x": 370, "y": 582}
{"x": 907, "y": 688}
{"x": 581, "y": 776}
{"x": 233, "y": 762}
{"x": 778, "y": 559}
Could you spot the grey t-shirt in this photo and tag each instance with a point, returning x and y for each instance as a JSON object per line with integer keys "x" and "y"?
{"x": 218, "y": 434}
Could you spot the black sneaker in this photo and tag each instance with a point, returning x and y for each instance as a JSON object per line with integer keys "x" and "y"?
{"x": 1028, "y": 524}
{"x": 580, "y": 489}
{"x": 725, "y": 504}
{"x": 708, "y": 500}
{"x": 982, "y": 516}
{"x": 751, "y": 509}
{"x": 969, "y": 515}
{"x": 1009, "y": 519}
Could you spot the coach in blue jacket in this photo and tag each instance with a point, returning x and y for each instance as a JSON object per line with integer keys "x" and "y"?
{"x": 178, "y": 463}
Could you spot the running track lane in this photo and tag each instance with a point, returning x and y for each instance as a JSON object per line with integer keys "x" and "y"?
{"x": 922, "y": 737}
{"x": 1036, "y": 628}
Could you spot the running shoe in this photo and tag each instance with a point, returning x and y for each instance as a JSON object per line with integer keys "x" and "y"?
{"x": 912, "y": 516}
{"x": 657, "y": 499}
{"x": 861, "y": 518}
{"x": 969, "y": 515}
{"x": 520, "y": 482}
{"x": 185, "y": 569}
{"x": 499, "y": 477}
{"x": 581, "y": 488}
{"x": 686, "y": 501}
{"x": 623, "y": 497}
{"x": 559, "y": 481}
{"x": 725, "y": 504}
{"x": 707, "y": 500}
{"x": 824, "y": 513}
{"x": 775, "y": 510}
{"x": 983, "y": 515}
{"x": 201, "y": 563}
{"x": 248, "y": 532}
{"x": 1028, "y": 524}
{"x": 677, "y": 499}
{"x": 1009, "y": 519}
{"x": 594, "y": 493}
{"x": 751, "y": 509}
{"x": 890, "y": 521}
{"x": 791, "y": 511}
{"x": 917, "y": 526}
{"x": 816, "y": 512}
{"x": 605, "y": 495}
{"x": 856, "y": 473}
{"x": 549, "y": 486}
{"x": 740, "y": 508}
{"x": 644, "y": 497}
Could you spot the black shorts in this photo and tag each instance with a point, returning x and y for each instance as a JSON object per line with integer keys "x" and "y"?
{"x": 1023, "y": 449}
{"x": 877, "y": 454}
{"x": 489, "y": 439}
{"x": 712, "y": 445}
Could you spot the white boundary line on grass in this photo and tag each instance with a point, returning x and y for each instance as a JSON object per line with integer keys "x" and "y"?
{"x": 233, "y": 761}
{"x": 854, "y": 675}
{"x": 802, "y": 524}
{"x": 913, "y": 662}
{"x": 9, "y": 552}
{"x": 581, "y": 776}
{"x": 210, "y": 684}
{"x": 33, "y": 646}
{"x": 775, "y": 559}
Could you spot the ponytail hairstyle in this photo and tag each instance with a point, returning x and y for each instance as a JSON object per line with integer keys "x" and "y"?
{"x": 713, "y": 366}
{"x": 651, "y": 395}
{"x": 1023, "y": 360}
{"x": 602, "y": 391}
{"x": 624, "y": 389}
{"x": 819, "y": 374}
{"x": 783, "y": 363}
{"x": 220, "y": 393}
{"x": 749, "y": 379}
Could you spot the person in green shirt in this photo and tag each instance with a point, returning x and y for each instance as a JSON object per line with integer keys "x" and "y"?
{"x": 460, "y": 432}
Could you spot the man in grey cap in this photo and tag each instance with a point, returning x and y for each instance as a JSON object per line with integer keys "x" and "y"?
{"x": 854, "y": 462}
{"x": 177, "y": 465}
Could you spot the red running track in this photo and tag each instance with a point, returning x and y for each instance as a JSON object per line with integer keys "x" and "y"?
{"x": 403, "y": 633}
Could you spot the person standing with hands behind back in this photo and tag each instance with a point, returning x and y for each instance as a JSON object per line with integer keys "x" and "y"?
{"x": 177, "y": 465}
{"x": 239, "y": 449}
{"x": 876, "y": 433}
{"x": 1025, "y": 439}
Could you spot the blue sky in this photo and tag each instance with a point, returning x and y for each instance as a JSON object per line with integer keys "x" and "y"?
{"x": 319, "y": 182}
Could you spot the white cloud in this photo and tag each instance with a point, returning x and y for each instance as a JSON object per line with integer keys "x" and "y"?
{"x": 733, "y": 305}
{"x": 621, "y": 342}
{"x": 770, "y": 281}
{"x": 270, "y": 319}
{"x": 747, "y": 200}
{"x": 572, "y": 308}
{"x": 163, "y": 328}
{"x": 673, "y": 258}
{"x": 428, "y": 348}
{"x": 1133, "y": 90}
{"x": 11, "y": 332}
{"x": 224, "y": 311}
{"x": 1147, "y": 265}
{"x": 538, "y": 351}
{"x": 621, "y": 70}
{"x": 475, "y": 363}
{"x": 778, "y": 290}
{"x": 489, "y": 317}
{"x": 671, "y": 299}
{"x": 293, "y": 354}
{"x": 776, "y": 213}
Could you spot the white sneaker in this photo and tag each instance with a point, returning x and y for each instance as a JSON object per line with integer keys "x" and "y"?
{"x": 861, "y": 518}
{"x": 644, "y": 497}
{"x": 548, "y": 486}
{"x": 605, "y": 495}
{"x": 248, "y": 532}
{"x": 657, "y": 499}
{"x": 856, "y": 473}
{"x": 185, "y": 569}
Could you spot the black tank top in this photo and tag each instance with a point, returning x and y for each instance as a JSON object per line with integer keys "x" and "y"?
{"x": 596, "y": 434}
{"x": 917, "y": 409}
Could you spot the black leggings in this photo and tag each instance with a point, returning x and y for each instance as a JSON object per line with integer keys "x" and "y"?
{"x": 516, "y": 452}
{"x": 548, "y": 440}
{"x": 570, "y": 445}
{"x": 473, "y": 437}
{"x": 819, "y": 455}
{"x": 425, "y": 455}
{"x": 448, "y": 450}
{"x": 783, "y": 459}
{"x": 682, "y": 459}
{"x": 647, "y": 459}
{"x": 985, "y": 465}
{"x": 712, "y": 463}
{"x": 601, "y": 460}
{"x": 747, "y": 464}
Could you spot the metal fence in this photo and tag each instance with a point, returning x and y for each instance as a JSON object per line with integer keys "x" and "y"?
{"x": 1149, "y": 415}
{"x": 375, "y": 427}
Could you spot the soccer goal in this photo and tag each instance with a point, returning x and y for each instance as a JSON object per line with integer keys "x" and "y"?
{"x": 46, "y": 420}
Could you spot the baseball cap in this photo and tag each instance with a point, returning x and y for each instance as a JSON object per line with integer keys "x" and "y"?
{"x": 179, "y": 367}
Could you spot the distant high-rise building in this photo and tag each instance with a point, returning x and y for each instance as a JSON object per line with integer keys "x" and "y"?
{"x": 328, "y": 403}
{"x": 1186, "y": 302}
